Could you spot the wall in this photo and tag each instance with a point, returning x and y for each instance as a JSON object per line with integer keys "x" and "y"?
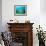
{"x": 33, "y": 11}
{"x": 43, "y": 6}
{"x": 33, "y": 14}
{"x": 0, "y": 15}
{"x": 43, "y": 14}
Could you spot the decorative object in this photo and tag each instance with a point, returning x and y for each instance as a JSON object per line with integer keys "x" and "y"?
{"x": 20, "y": 10}
{"x": 27, "y": 21}
{"x": 13, "y": 21}
{"x": 41, "y": 36}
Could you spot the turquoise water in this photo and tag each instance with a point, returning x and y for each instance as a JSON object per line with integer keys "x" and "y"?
{"x": 20, "y": 9}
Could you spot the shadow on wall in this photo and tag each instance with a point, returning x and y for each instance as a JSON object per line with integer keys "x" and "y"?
{"x": 43, "y": 6}
{"x": 0, "y": 15}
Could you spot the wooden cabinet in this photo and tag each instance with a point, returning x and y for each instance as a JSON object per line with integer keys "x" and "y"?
{"x": 22, "y": 33}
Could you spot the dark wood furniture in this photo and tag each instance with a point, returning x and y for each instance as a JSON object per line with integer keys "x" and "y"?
{"x": 22, "y": 33}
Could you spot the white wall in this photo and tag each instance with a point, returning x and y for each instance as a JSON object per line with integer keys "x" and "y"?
{"x": 43, "y": 14}
{"x": 0, "y": 15}
{"x": 33, "y": 13}
{"x": 43, "y": 6}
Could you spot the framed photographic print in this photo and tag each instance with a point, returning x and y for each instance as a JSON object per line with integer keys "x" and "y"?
{"x": 20, "y": 10}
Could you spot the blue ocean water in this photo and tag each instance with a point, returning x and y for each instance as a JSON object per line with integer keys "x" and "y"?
{"x": 20, "y": 9}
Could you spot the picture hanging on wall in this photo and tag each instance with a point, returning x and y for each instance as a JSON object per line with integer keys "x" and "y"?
{"x": 20, "y": 10}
